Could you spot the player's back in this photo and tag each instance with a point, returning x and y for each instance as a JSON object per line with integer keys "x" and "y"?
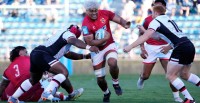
{"x": 18, "y": 71}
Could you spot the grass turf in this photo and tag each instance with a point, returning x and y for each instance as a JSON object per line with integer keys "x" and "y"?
{"x": 156, "y": 90}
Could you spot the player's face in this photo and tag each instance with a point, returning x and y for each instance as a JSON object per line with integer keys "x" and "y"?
{"x": 23, "y": 52}
{"x": 154, "y": 14}
{"x": 92, "y": 13}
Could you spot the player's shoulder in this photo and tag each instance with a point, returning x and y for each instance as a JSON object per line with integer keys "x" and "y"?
{"x": 22, "y": 58}
{"x": 104, "y": 12}
{"x": 149, "y": 18}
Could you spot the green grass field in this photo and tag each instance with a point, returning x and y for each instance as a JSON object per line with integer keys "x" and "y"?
{"x": 156, "y": 90}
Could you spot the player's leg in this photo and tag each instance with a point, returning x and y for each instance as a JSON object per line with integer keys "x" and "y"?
{"x": 173, "y": 68}
{"x": 100, "y": 73}
{"x": 145, "y": 73}
{"x": 190, "y": 77}
{"x": 175, "y": 92}
{"x": 61, "y": 78}
{"x": 25, "y": 86}
{"x": 111, "y": 58}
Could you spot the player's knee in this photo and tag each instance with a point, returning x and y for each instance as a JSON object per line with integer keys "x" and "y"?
{"x": 184, "y": 76}
{"x": 168, "y": 76}
{"x": 100, "y": 79}
{"x": 65, "y": 73}
{"x": 100, "y": 72}
{"x": 112, "y": 63}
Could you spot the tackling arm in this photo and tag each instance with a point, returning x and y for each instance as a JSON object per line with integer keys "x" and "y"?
{"x": 76, "y": 56}
{"x": 148, "y": 33}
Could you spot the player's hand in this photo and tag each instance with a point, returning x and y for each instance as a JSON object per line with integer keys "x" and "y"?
{"x": 165, "y": 49}
{"x": 141, "y": 28}
{"x": 127, "y": 49}
{"x": 127, "y": 25}
{"x": 94, "y": 49}
{"x": 107, "y": 35}
{"x": 144, "y": 54}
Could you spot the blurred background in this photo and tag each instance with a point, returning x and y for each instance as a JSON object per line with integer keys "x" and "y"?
{"x": 31, "y": 22}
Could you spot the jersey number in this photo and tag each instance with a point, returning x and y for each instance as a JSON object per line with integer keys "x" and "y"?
{"x": 17, "y": 73}
{"x": 175, "y": 25}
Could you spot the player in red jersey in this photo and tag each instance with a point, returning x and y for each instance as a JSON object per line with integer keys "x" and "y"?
{"x": 19, "y": 70}
{"x": 151, "y": 51}
{"x": 94, "y": 20}
{"x": 16, "y": 73}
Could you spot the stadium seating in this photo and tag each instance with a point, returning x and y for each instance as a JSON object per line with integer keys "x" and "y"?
{"x": 31, "y": 31}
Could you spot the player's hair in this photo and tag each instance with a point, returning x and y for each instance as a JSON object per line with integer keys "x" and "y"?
{"x": 89, "y": 4}
{"x": 161, "y": 1}
{"x": 160, "y": 9}
{"x": 15, "y": 52}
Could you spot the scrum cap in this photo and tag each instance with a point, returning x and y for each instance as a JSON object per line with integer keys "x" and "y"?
{"x": 75, "y": 30}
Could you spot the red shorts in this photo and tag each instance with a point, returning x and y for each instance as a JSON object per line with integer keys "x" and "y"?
{"x": 33, "y": 95}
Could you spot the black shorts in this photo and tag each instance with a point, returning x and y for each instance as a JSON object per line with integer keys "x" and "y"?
{"x": 183, "y": 53}
{"x": 41, "y": 60}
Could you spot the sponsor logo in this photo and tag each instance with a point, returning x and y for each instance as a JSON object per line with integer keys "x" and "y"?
{"x": 85, "y": 30}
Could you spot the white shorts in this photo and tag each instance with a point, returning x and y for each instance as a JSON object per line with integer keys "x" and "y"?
{"x": 154, "y": 53}
{"x": 109, "y": 52}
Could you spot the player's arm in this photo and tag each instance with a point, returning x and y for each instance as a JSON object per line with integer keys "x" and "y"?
{"x": 76, "y": 56}
{"x": 80, "y": 44}
{"x": 89, "y": 39}
{"x": 119, "y": 20}
{"x": 4, "y": 83}
{"x": 148, "y": 33}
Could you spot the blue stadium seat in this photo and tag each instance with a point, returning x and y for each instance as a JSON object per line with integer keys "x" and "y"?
{"x": 20, "y": 32}
{"x": 180, "y": 24}
{"x": 197, "y": 18}
{"x": 197, "y": 50}
{"x": 187, "y": 24}
{"x": 32, "y": 25}
{"x": 7, "y": 25}
{"x": 24, "y": 25}
{"x": 190, "y": 18}
{"x": 196, "y": 24}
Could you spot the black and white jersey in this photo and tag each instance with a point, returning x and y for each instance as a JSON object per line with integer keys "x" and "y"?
{"x": 57, "y": 44}
{"x": 168, "y": 29}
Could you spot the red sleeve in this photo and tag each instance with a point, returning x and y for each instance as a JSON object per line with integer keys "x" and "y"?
{"x": 109, "y": 14}
{"x": 86, "y": 28}
{"x": 147, "y": 21}
{"x": 4, "y": 75}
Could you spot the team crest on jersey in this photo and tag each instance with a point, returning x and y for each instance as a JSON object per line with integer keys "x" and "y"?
{"x": 103, "y": 20}
{"x": 85, "y": 30}
{"x": 93, "y": 27}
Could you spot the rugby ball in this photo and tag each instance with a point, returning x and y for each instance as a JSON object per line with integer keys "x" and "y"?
{"x": 99, "y": 34}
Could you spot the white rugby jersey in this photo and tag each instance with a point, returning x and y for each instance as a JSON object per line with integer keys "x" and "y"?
{"x": 57, "y": 44}
{"x": 167, "y": 29}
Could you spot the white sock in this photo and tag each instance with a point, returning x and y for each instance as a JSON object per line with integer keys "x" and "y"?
{"x": 178, "y": 84}
{"x": 115, "y": 81}
{"x": 176, "y": 94}
{"x": 55, "y": 82}
{"x": 194, "y": 79}
{"x": 26, "y": 85}
{"x": 106, "y": 92}
{"x": 61, "y": 96}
